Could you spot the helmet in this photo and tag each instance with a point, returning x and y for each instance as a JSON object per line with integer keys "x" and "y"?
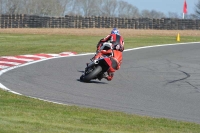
{"x": 106, "y": 46}
{"x": 115, "y": 31}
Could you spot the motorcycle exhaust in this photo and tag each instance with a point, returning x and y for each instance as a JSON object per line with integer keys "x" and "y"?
{"x": 92, "y": 63}
{"x": 96, "y": 62}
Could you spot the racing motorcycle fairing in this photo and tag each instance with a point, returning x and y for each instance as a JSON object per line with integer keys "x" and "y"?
{"x": 106, "y": 60}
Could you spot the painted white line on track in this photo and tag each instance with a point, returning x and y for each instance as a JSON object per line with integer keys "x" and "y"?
{"x": 161, "y": 46}
{"x": 6, "y": 89}
{"x": 3, "y": 67}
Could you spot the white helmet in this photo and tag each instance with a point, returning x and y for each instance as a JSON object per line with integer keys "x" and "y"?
{"x": 106, "y": 46}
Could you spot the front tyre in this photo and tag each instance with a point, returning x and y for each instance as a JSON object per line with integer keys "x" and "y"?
{"x": 91, "y": 75}
{"x": 81, "y": 78}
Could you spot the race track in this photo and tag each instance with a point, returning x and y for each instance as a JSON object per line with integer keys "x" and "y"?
{"x": 157, "y": 81}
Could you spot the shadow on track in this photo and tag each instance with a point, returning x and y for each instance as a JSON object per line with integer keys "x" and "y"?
{"x": 92, "y": 81}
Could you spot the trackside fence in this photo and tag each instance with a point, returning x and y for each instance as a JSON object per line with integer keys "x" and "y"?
{"x": 33, "y": 21}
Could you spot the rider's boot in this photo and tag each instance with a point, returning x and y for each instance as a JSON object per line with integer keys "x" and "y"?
{"x": 109, "y": 76}
{"x": 103, "y": 76}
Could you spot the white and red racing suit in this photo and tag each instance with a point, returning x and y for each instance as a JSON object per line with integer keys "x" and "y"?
{"x": 117, "y": 44}
{"x": 116, "y": 40}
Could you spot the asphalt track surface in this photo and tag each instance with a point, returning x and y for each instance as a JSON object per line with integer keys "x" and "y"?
{"x": 156, "y": 81}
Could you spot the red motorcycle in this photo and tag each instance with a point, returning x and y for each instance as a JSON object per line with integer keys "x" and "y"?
{"x": 97, "y": 68}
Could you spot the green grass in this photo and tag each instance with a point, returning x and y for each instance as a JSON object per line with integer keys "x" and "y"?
{"x": 15, "y": 44}
{"x": 20, "y": 114}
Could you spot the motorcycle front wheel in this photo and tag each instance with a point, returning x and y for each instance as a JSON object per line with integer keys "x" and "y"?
{"x": 91, "y": 75}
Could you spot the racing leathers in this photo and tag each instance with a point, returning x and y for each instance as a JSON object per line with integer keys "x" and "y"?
{"x": 117, "y": 46}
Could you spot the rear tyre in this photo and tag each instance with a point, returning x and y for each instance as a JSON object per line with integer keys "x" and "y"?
{"x": 92, "y": 75}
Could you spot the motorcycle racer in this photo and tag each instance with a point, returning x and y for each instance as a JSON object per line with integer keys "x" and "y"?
{"x": 115, "y": 38}
{"x": 115, "y": 52}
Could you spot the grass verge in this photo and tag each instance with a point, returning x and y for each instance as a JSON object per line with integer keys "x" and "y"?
{"x": 18, "y": 44}
{"x": 20, "y": 114}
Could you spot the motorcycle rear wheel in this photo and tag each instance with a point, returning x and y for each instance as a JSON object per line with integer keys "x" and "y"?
{"x": 91, "y": 75}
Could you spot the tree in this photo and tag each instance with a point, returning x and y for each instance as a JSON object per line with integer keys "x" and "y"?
{"x": 10, "y": 6}
{"x": 145, "y": 14}
{"x": 192, "y": 16}
{"x": 127, "y": 10}
{"x": 88, "y": 7}
{"x": 157, "y": 14}
{"x": 197, "y": 9}
{"x": 73, "y": 8}
{"x": 108, "y": 8}
{"x": 152, "y": 14}
{"x": 173, "y": 15}
{"x": 65, "y": 4}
